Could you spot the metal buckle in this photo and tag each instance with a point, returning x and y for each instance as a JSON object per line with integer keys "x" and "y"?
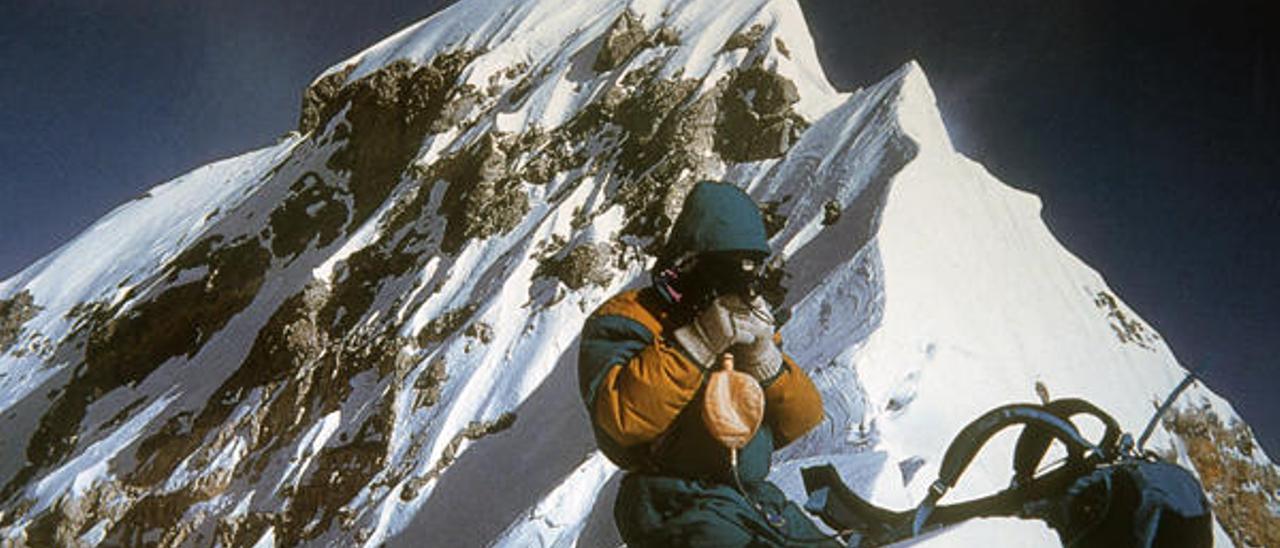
{"x": 938, "y": 488}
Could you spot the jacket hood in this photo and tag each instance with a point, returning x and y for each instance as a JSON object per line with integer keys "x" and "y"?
{"x": 715, "y": 217}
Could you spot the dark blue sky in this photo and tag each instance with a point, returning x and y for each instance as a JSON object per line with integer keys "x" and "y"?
{"x": 1148, "y": 129}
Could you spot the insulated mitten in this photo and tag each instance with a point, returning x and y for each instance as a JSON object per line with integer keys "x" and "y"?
{"x": 760, "y": 357}
{"x": 714, "y": 330}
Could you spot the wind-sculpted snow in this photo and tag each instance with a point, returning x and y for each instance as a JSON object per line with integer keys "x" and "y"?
{"x": 367, "y": 333}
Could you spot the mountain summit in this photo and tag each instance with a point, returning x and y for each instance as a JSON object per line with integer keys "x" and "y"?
{"x": 367, "y": 332}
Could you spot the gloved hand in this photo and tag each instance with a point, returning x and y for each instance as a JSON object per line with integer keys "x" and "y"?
{"x": 715, "y": 329}
{"x": 759, "y": 357}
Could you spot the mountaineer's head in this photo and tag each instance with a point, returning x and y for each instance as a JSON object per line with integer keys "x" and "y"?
{"x": 717, "y": 246}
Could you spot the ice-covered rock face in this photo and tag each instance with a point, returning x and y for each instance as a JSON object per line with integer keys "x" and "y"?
{"x": 367, "y": 333}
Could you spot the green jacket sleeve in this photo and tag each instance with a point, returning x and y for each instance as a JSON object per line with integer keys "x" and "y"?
{"x": 633, "y": 382}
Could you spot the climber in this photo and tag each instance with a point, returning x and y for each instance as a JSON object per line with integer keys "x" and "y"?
{"x": 646, "y": 363}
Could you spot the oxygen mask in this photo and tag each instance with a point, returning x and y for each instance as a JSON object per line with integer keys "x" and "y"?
{"x": 735, "y": 274}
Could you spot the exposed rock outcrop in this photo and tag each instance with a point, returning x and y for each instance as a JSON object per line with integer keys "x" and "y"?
{"x": 621, "y": 41}
{"x": 14, "y": 312}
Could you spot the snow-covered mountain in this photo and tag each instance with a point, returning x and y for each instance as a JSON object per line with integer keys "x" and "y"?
{"x": 367, "y": 332}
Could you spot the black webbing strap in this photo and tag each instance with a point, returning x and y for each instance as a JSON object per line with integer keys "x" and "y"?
{"x": 1034, "y": 440}
{"x": 870, "y": 525}
{"x": 971, "y": 439}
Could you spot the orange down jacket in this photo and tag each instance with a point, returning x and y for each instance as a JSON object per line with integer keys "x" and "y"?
{"x": 641, "y": 391}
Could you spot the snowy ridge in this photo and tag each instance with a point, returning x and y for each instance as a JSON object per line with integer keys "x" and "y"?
{"x": 367, "y": 333}
{"x": 125, "y": 247}
{"x": 556, "y": 42}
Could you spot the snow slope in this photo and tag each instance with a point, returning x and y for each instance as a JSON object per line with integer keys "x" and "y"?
{"x": 367, "y": 333}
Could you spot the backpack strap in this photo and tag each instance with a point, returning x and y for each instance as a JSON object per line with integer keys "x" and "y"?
{"x": 870, "y": 525}
{"x": 864, "y": 524}
{"x": 971, "y": 439}
{"x": 1035, "y": 439}
{"x": 859, "y": 522}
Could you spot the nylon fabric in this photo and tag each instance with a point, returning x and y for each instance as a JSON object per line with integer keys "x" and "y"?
{"x": 794, "y": 391}
{"x": 663, "y": 511}
{"x": 637, "y": 401}
{"x": 716, "y": 217}
{"x": 607, "y": 342}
